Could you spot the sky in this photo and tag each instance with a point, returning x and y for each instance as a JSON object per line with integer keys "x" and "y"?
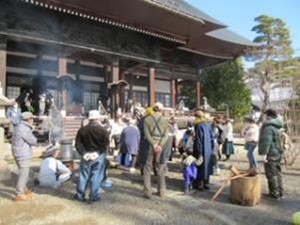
{"x": 239, "y": 15}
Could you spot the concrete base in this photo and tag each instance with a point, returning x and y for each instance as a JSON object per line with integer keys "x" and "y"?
{"x": 5, "y": 173}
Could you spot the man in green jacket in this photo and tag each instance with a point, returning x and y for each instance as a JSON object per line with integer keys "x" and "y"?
{"x": 269, "y": 147}
{"x": 156, "y": 133}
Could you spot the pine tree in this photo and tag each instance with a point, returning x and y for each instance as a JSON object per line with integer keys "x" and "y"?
{"x": 273, "y": 55}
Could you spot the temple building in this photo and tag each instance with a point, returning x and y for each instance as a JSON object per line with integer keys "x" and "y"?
{"x": 111, "y": 51}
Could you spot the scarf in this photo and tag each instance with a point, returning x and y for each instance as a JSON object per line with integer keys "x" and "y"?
{"x": 199, "y": 120}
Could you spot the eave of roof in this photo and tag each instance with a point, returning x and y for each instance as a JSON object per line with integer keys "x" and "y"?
{"x": 159, "y": 21}
{"x": 227, "y": 35}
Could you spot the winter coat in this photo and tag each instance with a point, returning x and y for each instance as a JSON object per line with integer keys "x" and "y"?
{"x": 14, "y": 115}
{"x": 203, "y": 146}
{"x": 153, "y": 134}
{"x": 22, "y": 141}
{"x": 92, "y": 138}
{"x": 130, "y": 140}
{"x": 269, "y": 143}
{"x": 251, "y": 133}
{"x": 227, "y": 131}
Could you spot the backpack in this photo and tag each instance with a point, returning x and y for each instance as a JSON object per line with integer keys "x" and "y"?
{"x": 284, "y": 142}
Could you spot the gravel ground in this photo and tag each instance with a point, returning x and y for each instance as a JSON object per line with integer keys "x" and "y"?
{"x": 124, "y": 204}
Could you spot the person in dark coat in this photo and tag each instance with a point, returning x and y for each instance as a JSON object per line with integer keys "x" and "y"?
{"x": 269, "y": 148}
{"x": 144, "y": 145}
{"x": 129, "y": 144}
{"x": 203, "y": 147}
{"x": 92, "y": 142}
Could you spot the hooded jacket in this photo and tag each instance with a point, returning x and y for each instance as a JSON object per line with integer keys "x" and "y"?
{"x": 22, "y": 141}
{"x": 269, "y": 139}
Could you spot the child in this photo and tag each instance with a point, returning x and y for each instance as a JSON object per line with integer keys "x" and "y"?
{"x": 251, "y": 133}
{"x": 190, "y": 169}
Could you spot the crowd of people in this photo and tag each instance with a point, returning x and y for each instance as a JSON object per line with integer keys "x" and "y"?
{"x": 149, "y": 143}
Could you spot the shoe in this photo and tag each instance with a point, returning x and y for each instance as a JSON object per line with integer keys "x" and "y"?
{"x": 162, "y": 194}
{"x": 206, "y": 187}
{"x": 272, "y": 197}
{"x": 101, "y": 191}
{"x": 186, "y": 190}
{"x": 131, "y": 169}
{"x": 217, "y": 172}
{"x": 107, "y": 184}
{"x": 23, "y": 198}
{"x": 28, "y": 192}
{"x": 92, "y": 201}
{"x": 147, "y": 196}
{"x": 76, "y": 197}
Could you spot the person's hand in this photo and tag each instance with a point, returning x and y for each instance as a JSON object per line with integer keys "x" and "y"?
{"x": 265, "y": 159}
{"x": 157, "y": 148}
{"x": 87, "y": 156}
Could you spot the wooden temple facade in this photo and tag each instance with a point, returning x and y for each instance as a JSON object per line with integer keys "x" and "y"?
{"x": 80, "y": 50}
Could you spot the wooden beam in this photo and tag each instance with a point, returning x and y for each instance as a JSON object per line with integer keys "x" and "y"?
{"x": 151, "y": 86}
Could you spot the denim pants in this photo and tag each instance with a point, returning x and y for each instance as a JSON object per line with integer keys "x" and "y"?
{"x": 24, "y": 170}
{"x": 91, "y": 174}
{"x": 250, "y": 147}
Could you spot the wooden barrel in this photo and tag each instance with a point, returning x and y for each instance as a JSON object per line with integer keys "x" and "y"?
{"x": 246, "y": 191}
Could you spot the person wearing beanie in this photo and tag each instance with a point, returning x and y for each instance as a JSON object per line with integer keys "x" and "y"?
{"x": 22, "y": 142}
{"x": 53, "y": 173}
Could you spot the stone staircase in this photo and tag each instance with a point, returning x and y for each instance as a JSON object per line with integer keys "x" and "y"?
{"x": 72, "y": 125}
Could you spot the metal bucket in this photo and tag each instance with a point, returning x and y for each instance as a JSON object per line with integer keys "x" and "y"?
{"x": 66, "y": 150}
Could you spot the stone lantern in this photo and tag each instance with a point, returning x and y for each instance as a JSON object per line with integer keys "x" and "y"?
{"x": 4, "y": 101}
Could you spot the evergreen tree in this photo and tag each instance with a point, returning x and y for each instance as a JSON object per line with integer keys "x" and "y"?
{"x": 272, "y": 55}
{"x": 224, "y": 87}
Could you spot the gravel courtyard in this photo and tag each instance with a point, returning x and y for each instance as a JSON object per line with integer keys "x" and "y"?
{"x": 124, "y": 204}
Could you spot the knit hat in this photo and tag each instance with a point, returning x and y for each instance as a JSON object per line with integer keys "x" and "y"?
{"x": 26, "y": 115}
{"x": 158, "y": 106}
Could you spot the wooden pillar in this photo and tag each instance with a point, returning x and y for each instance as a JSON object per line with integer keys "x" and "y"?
{"x": 62, "y": 66}
{"x": 62, "y": 70}
{"x": 3, "y": 63}
{"x": 173, "y": 84}
{"x": 151, "y": 86}
{"x": 198, "y": 94}
{"x": 121, "y": 93}
{"x": 130, "y": 86}
{"x": 115, "y": 73}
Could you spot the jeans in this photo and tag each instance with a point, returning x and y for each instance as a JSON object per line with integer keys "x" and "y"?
{"x": 126, "y": 160}
{"x": 24, "y": 170}
{"x": 91, "y": 174}
{"x": 250, "y": 147}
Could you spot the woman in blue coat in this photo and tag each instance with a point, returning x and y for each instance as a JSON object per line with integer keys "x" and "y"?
{"x": 203, "y": 148}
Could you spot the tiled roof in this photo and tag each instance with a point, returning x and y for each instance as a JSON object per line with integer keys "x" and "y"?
{"x": 182, "y": 7}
